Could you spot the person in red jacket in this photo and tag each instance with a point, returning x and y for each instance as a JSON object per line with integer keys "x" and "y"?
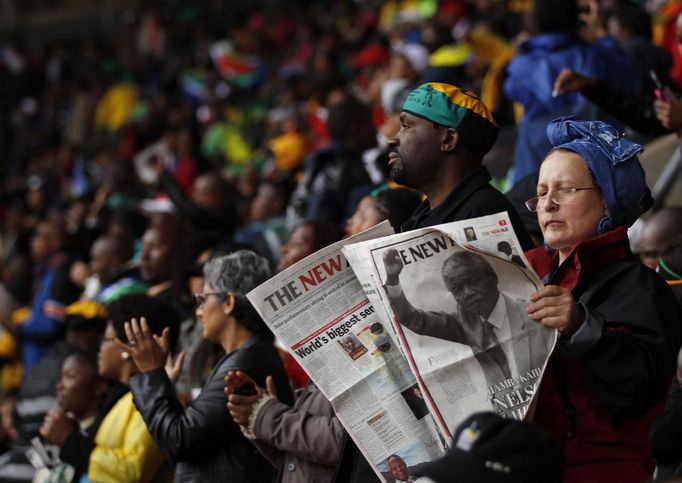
{"x": 608, "y": 377}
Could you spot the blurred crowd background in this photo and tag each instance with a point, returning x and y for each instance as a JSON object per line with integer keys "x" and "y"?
{"x": 140, "y": 138}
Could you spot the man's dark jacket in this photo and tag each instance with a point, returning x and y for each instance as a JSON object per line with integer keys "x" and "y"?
{"x": 322, "y": 195}
{"x": 472, "y": 198}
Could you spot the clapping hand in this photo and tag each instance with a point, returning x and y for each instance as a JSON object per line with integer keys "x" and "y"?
{"x": 239, "y": 405}
{"x": 150, "y": 351}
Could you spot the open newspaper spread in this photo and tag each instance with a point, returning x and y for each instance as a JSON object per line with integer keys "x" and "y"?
{"x": 457, "y": 296}
{"x": 406, "y": 339}
{"x": 319, "y": 311}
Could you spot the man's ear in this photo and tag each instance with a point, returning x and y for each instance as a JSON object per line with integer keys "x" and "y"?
{"x": 449, "y": 139}
{"x": 229, "y": 304}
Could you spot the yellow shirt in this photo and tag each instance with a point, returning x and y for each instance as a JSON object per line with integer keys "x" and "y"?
{"x": 114, "y": 109}
{"x": 124, "y": 449}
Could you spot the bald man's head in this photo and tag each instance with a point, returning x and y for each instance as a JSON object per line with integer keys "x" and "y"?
{"x": 108, "y": 255}
{"x": 659, "y": 232}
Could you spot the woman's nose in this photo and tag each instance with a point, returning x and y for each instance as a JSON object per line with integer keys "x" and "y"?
{"x": 547, "y": 204}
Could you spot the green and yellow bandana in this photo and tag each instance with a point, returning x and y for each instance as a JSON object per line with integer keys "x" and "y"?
{"x": 450, "y": 106}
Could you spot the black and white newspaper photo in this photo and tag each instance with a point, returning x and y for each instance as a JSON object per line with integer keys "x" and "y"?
{"x": 458, "y": 295}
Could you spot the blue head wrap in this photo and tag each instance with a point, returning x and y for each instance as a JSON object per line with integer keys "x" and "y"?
{"x": 613, "y": 161}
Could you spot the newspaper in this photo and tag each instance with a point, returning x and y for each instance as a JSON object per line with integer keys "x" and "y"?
{"x": 319, "y": 311}
{"x": 457, "y": 297}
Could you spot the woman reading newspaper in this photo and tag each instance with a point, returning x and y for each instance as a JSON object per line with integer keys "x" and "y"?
{"x": 304, "y": 441}
{"x": 619, "y": 322}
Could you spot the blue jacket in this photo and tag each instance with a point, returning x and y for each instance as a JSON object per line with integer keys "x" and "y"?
{"x": 45, "y": 324}
{"x": 530, "y": 81}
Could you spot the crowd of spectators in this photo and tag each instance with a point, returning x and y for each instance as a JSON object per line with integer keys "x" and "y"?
{"x": 201, "y": 143}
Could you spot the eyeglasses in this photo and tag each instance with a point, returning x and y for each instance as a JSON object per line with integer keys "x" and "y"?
{"x": 557, "y": 197}
{"x": 200, "y": 298}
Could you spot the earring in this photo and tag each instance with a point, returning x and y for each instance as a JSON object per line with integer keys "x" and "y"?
{"x": 125, "y": 356}
{"x": 605, "y": 224}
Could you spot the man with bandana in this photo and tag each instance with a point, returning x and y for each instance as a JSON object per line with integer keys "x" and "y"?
{"x": 444, "y": 134}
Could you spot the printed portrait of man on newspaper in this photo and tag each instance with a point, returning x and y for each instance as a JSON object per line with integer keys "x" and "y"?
{"x": 504, "y": 340}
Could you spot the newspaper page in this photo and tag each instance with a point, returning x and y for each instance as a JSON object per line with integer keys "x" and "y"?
{"x": 457, "y": 296}
{"x": 319, "y": 311}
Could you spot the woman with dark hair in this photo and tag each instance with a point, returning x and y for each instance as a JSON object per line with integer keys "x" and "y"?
{"x": 117, "y": 446}
{"x": 202, "y": 439}
{"x": 395, "y": 205}
{"x": 306, "y": 239}
{"x": 80, "y": 394}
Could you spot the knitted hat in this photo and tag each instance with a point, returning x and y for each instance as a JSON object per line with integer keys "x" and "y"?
{"x": 489, "y": 448}
{"x": 450, "y": 106}
{"x": 613, "y": 161}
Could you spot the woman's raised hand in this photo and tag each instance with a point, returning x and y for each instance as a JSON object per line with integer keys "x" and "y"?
{"x": 147, "y": 350}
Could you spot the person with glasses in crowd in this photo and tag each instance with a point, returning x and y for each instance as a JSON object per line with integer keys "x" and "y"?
{"x": 203, "y": 441}
{"x": 608, "y": 377}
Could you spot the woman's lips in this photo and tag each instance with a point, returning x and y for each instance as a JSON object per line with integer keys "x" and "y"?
{"x": 552, "y": 223}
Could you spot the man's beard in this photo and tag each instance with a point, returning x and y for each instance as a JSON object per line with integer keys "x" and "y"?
{"x": 398, "y": 173}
